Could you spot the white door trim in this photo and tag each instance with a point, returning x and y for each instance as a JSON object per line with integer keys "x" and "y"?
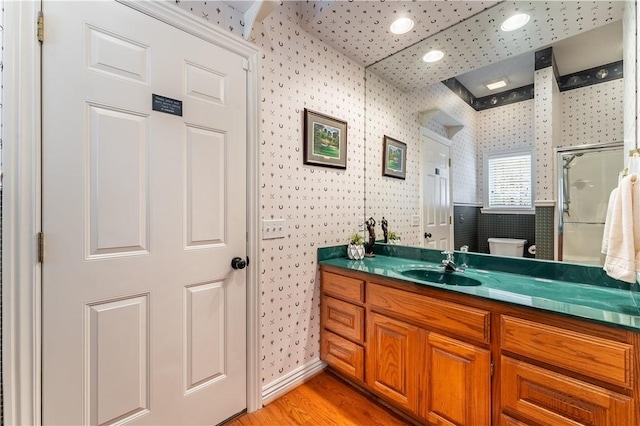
{"x": 435, "y": 136}
{"x": 22, "y": 209}
{"x": 21, "y": 215}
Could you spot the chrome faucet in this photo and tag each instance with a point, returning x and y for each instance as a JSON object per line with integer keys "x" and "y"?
{"x": 449, "y": 264}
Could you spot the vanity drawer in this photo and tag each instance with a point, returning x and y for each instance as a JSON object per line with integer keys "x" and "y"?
{"x": 342, "y": 355}
{"x": 508, "y": 421}
{"x": 343, "y": 318}
{"x": 592, "y": 356}
{"x": 550, "y": 398}
{"x": 463, "y": 321}
{"x": 345, "y": 288}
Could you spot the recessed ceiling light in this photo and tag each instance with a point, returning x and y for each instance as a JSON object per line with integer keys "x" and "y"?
{"x": 496, "y": 84}
{"x": 433, "y": 56}
{"x": 515, "y": 22}
{"x": 401, "y": 25}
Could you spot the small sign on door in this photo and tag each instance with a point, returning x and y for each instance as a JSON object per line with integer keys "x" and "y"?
{"x": 168, "y": 105}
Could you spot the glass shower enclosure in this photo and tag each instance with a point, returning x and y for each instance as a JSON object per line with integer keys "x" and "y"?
{"x": 586, "y": 176}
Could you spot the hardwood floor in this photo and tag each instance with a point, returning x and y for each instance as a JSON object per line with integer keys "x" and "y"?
{"x": 323, "y": 400}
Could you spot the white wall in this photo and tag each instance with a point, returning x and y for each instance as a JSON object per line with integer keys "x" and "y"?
{"x": 509, "y": 126}
{"x": 593, "y": 114}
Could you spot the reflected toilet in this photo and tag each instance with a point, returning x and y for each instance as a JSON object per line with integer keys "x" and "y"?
{"x": 513, "y": 247}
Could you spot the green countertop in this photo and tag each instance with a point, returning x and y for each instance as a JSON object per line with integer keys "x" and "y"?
{"x": 612, "y": 306}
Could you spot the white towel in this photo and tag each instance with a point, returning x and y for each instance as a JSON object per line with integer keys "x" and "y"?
{"x": 607, "y": 221}
{"x": 623, "y": 247}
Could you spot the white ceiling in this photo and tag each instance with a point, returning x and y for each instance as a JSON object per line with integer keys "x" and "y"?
{"x": 468, "y": 31}
{"x": 518, "y": 70}
{"x": 599, "y": 46}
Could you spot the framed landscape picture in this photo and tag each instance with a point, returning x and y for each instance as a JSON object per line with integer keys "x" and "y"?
{"x": 394, "y": 161}
{"x": 325, "y": 140}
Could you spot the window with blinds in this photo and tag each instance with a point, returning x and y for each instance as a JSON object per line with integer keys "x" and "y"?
{"x": 508, "y": 180}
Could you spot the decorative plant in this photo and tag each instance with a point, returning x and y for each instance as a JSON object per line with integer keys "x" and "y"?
{"x": 393, "y": 237}
{"x": 355, "y": 249}
{"x": 356, "y": 239}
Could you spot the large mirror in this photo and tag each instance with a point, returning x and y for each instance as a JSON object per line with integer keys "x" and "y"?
{"x": 564, "y": 92}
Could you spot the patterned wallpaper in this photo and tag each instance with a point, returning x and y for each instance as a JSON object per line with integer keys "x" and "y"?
{"x": 321, "y": 206}
{"x": 217, "y": 13}
{"x": 509, "y": 126}
{"x": 593, "y": 114}
{"x": 395, "y": 113}
{"x": 389, "y": 113}
{"x": 477, "y": 42}
{"x": 546, "y": 89}
{"x": 360, "y": 29}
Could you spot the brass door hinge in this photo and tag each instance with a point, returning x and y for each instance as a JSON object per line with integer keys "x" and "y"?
{"x": 491, "y": 368}
{"x": 40, "y": 247}
{"x": 449, "y": 162}
{"x": 40, "y": 27}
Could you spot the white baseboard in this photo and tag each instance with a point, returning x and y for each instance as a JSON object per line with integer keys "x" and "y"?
{"x": 290, "y": 380}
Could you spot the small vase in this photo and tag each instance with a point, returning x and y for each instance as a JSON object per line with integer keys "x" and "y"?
{"x": 355, "y": 252}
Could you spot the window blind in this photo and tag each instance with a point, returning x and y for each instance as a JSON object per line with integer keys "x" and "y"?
{"x": 509, "y": 183}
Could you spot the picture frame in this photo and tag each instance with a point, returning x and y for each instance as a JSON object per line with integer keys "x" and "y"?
{"x": 325, "y": 140}
{"x": 394, "y": 159}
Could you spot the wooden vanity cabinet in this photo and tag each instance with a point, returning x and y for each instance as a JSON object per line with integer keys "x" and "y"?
{"x": 425, "y": 356}
{"x": 432, "y": 354}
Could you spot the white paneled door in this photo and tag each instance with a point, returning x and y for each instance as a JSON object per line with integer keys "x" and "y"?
{"x": 144, "y": 207}
{"x": 436, "y": 206}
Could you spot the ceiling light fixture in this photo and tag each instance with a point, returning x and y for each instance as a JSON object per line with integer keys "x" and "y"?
{"x": 515, "y": 22}
{"x": 401, "y": 26}
{"x": 433, "y": 56}
{"x": 496, "y": 84}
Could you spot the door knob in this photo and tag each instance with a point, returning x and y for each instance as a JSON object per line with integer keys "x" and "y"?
{"x": 427, "y": 234}
{"x": 238, "y": 263}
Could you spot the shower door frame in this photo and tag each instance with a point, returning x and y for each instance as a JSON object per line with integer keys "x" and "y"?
{"x": 577, "y": 149}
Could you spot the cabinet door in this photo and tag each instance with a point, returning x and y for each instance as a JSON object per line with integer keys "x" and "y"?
{"x": 458, "y": 383}
{"x": 550, "y": 398}
{"x": 391, "y": 359}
